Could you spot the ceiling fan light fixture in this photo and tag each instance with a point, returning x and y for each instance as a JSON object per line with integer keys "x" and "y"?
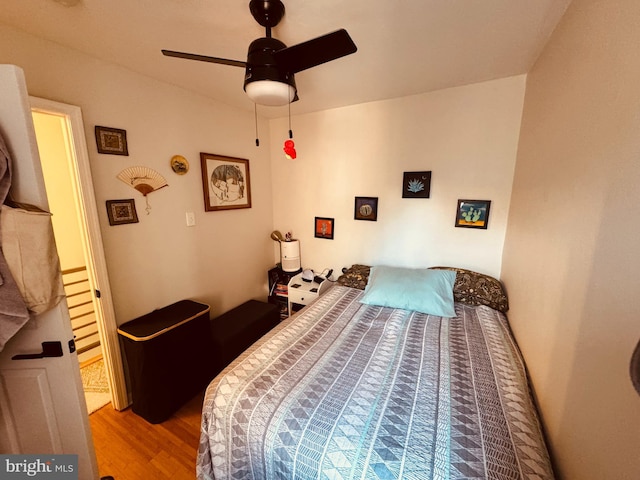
{"x": 270, "y": 93}
{"x": 271, "y": 65}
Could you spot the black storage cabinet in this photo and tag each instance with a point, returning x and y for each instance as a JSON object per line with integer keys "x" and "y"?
{"x": 236, "y": 330}
{"x": 168, "y": 354}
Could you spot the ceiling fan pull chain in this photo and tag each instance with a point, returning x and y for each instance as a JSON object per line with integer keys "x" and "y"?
{"x": 290, "y": 131}
{"x": 255, "y": 116}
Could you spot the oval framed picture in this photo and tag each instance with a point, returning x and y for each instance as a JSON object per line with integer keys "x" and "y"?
{"x": 179, "y": 164}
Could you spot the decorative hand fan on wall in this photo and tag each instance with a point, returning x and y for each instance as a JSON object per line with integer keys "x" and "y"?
{"x": 143, "y": 179}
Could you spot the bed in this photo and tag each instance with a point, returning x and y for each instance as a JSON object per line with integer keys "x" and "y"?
{"x": 346, "y": 390}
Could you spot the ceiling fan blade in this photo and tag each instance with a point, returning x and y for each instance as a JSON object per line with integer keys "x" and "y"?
{"x": 315, "y": 52}
{"x": 204, "y": 58}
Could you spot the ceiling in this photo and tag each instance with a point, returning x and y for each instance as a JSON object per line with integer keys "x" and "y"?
{"x": 405, "y": 47}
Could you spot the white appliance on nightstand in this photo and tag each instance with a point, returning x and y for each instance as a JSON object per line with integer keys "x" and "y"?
{"x": 290, "y": 255}
{"x": 289, "y": 252}
{"x": 302, "y": 293}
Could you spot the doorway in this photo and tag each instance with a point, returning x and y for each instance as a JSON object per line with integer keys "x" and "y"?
{"x": 65, "y": 165}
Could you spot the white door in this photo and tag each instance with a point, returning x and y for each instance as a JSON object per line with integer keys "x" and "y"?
{"x": 42, "y": 406}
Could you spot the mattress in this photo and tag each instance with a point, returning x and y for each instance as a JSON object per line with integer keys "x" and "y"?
{"x": 344, "y": 390}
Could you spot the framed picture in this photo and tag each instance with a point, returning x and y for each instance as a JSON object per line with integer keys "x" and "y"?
{"x": 323, "y": 228}
{"x": 473, "y": 213}
{"x": 122, "y": 211}
{"x": 366, "y": 208}
{"x": 112, "y": 141}
{"x": 416, "y": 184}
{"x": 225, "y": 182}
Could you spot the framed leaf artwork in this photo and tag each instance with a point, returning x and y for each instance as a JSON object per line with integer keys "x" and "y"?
{"x": 416, "y": 184}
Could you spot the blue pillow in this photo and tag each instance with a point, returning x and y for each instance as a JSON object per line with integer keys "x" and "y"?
{"x": 426, "y": 291}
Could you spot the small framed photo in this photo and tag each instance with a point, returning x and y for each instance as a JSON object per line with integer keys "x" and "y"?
{"x": 366, "y": 208}
{"x": 112, "y": 141}
{"x": 473, "y": 213}
{"x": 122, "y": 211}
{"x": 225, "y": 182}
{"x": 323, "y": 228}
{"x": 416, "y": 185}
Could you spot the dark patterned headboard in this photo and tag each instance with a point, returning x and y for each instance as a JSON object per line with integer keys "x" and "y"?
{"x": 355, "y": 276}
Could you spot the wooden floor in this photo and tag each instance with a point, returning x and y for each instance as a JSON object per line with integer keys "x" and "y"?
{"x": 130, "y": 448}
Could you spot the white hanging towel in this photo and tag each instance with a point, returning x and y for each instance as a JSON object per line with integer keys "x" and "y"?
{"x": 29, "y": 248}
{"x": 13, "y": 311}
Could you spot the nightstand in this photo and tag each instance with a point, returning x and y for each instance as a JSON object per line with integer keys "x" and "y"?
{"x": 278, "y": 288}
{"x": 302, "y": 293}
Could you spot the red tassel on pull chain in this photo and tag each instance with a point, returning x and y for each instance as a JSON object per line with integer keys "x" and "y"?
{"x": 290, "y": 149}
{"x": 289, "y": 146}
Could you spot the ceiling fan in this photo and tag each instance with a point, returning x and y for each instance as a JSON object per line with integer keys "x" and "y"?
{"x": 271, "y": 65}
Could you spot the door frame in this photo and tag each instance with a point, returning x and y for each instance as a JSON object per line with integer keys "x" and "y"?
{"x": 90, "y": 229}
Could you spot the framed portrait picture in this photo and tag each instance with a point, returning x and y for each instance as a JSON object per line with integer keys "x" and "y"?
{"x": 416, "y": 184}
{"x": 366, "y": 208}
{"x": 473, "y": 213}
{"x": 112, "y": 141}
{"x": 323, "y": 228}
{"x": 225, "y": 182}
{"x": 121, "y": 212}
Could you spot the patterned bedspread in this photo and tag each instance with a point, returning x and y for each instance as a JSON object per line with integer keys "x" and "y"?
{"x": 349, "y": 391}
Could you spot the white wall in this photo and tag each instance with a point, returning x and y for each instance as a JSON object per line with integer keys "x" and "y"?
{"x": 467, "y": 137}
{"x": 223, "y": 260}
{"x": 50, "y": 131}
{"x": 571, "y": 258}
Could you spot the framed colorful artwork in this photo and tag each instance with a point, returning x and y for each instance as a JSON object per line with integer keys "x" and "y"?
{"x": 323, "y": 228}
{"x": 473, "y": 213}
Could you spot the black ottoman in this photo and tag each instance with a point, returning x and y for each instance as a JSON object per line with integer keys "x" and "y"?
{"x": 233, "y": 332}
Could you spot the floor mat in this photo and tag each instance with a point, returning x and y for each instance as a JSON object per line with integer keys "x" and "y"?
{"x": 96, "y": 386}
